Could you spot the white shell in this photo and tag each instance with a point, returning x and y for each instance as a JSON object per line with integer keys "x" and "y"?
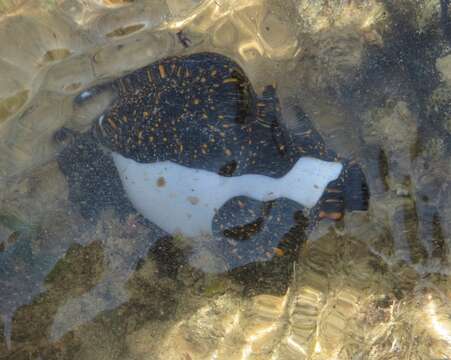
{"x": 182, "y": 200}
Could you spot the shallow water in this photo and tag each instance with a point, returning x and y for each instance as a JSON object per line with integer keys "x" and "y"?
{"x": 375, "y": 79}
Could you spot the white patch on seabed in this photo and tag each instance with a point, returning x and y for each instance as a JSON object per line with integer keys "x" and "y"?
{"x": 163, "y": 192}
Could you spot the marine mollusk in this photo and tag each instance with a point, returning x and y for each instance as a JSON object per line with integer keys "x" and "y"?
{"x": 198, "y": 152}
